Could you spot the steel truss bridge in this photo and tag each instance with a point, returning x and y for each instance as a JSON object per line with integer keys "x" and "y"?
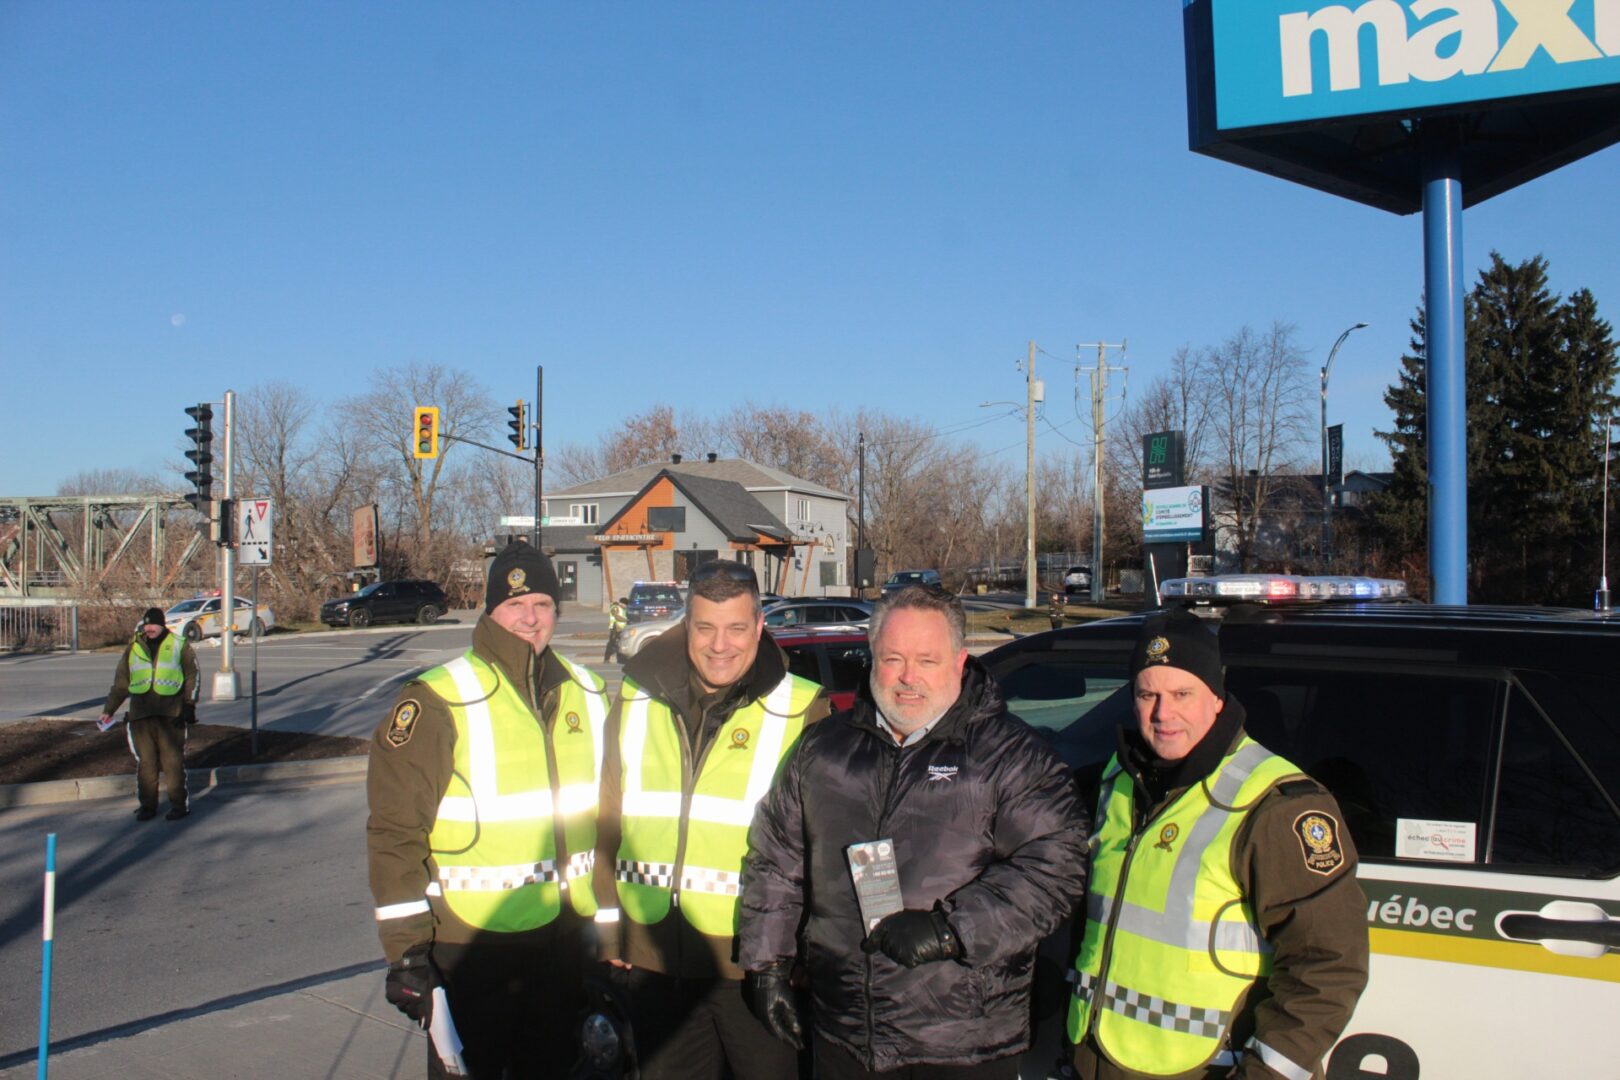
{"x": 57, "y": 549}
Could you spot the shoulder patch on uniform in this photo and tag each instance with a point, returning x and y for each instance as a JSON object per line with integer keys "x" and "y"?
{"x": 403, "y": 723}
{"x": 1319, "y": 842}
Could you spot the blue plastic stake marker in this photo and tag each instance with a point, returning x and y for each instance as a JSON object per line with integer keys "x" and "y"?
{"x": 45, "y": 965}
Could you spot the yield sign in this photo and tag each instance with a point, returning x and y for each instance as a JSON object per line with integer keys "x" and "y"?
{"x": 254, "y": 521}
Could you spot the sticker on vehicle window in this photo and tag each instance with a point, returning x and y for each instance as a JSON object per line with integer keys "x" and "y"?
{"x": 1444, "y": 841}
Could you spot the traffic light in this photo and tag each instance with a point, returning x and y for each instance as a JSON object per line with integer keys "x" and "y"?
{"x": 519, "y": 428}
{"x": 201, "y": 455}
{"x": 425, "y": 432}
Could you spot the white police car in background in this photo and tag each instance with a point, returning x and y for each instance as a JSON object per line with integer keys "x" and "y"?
{"x": 1475, "y": 753}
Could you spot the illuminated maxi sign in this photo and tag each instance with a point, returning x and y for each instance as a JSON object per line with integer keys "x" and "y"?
{"x": 1292, "y": 61}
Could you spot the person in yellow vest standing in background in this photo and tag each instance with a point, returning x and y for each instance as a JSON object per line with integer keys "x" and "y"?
{"x": 1224, "y": 932}
{"x": 158, "y": 675}
{"x": 482, "y": 787}
{"x": 618, "y": 619}
{"x": 705, "y": 715}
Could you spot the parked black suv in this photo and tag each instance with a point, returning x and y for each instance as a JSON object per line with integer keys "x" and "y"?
{"x": 386, "y": 601}
{"x": 1475, "y": 754}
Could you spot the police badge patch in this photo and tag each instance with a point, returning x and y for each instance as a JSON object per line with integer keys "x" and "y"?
{"x": 403, "y": 723}
{"x": 572, "y": 720}
{"x": 1319, "y": 842}
{"x": 514, "y": 581}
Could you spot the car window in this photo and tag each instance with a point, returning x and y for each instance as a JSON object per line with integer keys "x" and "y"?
{"x": 1581, "y": 707}
{"x": 211, "y": 605}
{"x": 185, "y": 607}
{"x": 850, "y": 614}
{"x": 803, "y": 662}
{"x": 849, "y": 665}
{"x": 386, "y": 590}
{"x": 1550, "y": 814}
{"x": 784, "y": 617}
{"x": 370, "y": 590}
{"x": 1401, "y": 752}
{"x": 656, "y": 596}
{"x": 1076, "y": 703}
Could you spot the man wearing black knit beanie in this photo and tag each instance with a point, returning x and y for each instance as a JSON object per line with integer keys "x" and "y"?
{"x": 483, "y": 791}
{"x": 1209, "y": 845}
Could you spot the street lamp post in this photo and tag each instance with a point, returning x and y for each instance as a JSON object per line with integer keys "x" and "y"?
{"x": 1601, "y": 601}
{"x": 1327, "y": 504}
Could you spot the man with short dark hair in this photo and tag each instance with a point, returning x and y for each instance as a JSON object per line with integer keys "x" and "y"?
{"x": 704, "y": 717}
{"x": 482, "y": 787}
{"x": 987, "y": 839}
{"x": 158, "y": 674}
{"x": 1224, "y": 932}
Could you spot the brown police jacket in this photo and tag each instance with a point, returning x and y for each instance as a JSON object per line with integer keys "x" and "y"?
{"x": 1315, "y": 923}
{"x": 409, "y": 771}
{"x": 673, "y": 946}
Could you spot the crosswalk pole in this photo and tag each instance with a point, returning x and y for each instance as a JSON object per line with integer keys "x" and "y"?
{"x": 45, "y": 963}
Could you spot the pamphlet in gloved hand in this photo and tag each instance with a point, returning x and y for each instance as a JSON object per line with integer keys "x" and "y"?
{"x": 442, "y": 1030}
{"x": 877, "y": 880}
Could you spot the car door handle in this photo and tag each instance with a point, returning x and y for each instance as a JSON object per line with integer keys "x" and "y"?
{"x": 1566, "y": 927}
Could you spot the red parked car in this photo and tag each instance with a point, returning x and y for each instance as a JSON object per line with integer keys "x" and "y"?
{"x": 837, "y": 659}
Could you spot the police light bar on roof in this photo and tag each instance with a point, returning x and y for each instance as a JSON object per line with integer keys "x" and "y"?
{"x": 1280, "y": 588}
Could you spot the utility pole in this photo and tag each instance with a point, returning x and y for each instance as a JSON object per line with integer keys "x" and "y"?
{"x": 1031, "y": 396}
{"x": 860, "y": 515}
{"x": 225, "y": 677}
{"x": 1099, "y": 516}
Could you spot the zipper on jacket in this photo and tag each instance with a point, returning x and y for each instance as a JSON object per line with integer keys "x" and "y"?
{"x": 892, "y": 779}
{"x": 1113, "y": 915}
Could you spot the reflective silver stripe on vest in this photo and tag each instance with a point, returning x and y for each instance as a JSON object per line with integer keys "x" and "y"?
{"x": 1175, "y": 926}
{"x": 1195, "y": 935}
{"x": 496, "y": 878}
{"x": 659, "y": 875}
{"x": 1157, "y": 1012}
{"x": 704, "y": 879}
{"x": 595, "y": 711}
{"x": 486, "y": 804}
{"x": 712, "y": 809}
{"x": 1278, "y": 1063}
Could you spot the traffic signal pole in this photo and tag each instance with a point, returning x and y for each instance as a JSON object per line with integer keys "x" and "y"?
{"x": 225, "y": 678}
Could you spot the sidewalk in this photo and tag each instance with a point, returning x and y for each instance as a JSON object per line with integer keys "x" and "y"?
{"x": 333, "y": 1030}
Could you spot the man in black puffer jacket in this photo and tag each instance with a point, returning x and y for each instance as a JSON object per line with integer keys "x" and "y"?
{"x": 990, "y": 840}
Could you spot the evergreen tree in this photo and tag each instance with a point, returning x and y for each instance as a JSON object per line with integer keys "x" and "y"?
{"x": 1538, "y": 381}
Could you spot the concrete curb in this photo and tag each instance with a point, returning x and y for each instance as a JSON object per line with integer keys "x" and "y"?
{"x": 107, "y": 787}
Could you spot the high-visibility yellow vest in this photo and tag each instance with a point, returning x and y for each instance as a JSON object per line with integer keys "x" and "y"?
{"x": 494, "y": 838}
{"x": 166, "y": 677}
{"x": 694, "y": 862}
{"x": 1171, "y": 942}
{"x": 618, "y": 618}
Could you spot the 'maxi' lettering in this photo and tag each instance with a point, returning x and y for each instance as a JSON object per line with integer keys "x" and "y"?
{"x": 1467, "y": 41}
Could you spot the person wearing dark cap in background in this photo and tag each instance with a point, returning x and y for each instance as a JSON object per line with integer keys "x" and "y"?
{"x": 482, "y": 786}
{"x": 1225, "y": 934}
{"x": 158, "y": 675}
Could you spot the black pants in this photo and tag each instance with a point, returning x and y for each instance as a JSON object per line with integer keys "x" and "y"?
{"x": 517, "y": 1001}
{"x": 159, "y": 743}
{"x": 692, "y": 1029}
{"x": 833, "y": 1062}
{"x": 612, "y": 645}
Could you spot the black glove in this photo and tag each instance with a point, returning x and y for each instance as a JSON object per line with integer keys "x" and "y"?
{"x": 771, "y": 999}
{"x": 410, "y": 983}
{"x": 188, "y": 713}
{"x": 914, "y": 937}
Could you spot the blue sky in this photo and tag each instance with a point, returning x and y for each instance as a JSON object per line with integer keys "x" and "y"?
{"x": 828, "y": 205}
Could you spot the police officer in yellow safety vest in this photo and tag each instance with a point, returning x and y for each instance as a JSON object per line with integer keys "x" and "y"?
{"x": 158, "y": 675}
{"x": 705, "y": 715}
{"x": 618, "y": 619}
{"x": 1224, "y": 932}
{"x": 482, "y": 786}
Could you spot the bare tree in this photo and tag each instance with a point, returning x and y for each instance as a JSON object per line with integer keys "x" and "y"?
{"x": 1176, "y": 401}
{"x": 1258, "y": 396}
{"x": 382, "y": 417}
{"x": 110, "y": 482}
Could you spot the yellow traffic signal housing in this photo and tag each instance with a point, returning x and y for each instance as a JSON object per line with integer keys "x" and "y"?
{"x": 425, "y": 432}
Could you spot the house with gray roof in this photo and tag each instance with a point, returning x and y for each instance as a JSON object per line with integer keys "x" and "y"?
{"x": 658, "y": 521}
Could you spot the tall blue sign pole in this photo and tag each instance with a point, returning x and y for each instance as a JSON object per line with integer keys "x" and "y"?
{"x": 1445, "y": 343}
